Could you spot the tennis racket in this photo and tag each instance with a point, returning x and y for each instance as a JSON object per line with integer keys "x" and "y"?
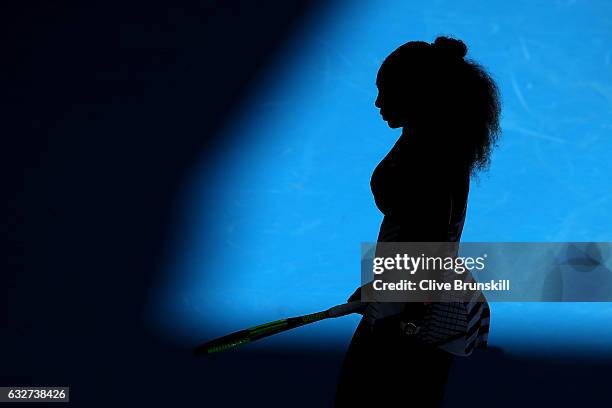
{"x": 252, "y": 334}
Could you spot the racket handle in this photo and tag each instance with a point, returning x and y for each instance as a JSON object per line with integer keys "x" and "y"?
{"x": 346, "y": 309}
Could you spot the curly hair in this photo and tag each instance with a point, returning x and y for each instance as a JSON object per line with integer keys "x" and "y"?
{"x": 433, "y": 86}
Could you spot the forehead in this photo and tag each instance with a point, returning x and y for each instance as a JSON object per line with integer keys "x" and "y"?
{"x": 406, "y": 63}
{"x": 383, "y": 74}
{"x": 387, "y": 75}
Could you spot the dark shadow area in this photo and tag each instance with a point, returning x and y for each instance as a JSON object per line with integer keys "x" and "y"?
{"x": 164, "y": 375}
{"x": 493, "y": 378}
{"x": 488, "y": 378}
{"x": 106, "y": 108}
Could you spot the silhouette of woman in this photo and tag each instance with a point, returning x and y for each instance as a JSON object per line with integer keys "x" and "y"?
{"x": 449, "y": 110}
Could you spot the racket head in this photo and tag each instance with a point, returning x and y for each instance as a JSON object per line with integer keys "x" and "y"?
{"x": 243, "y": 337}
{"x": 223, "y": 343}
{"x": 249, "y": 335}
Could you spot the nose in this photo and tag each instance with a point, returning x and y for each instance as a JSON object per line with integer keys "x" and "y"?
{"x": 378, "y": 101}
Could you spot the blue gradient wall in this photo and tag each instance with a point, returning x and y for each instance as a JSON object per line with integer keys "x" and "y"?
{"x": 271, "y": 227}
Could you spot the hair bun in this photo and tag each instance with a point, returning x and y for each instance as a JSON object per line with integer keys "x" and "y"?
{"x": 451, "y": 46}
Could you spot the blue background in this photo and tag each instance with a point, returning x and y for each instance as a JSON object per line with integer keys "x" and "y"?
{"x": 271, "y": 226}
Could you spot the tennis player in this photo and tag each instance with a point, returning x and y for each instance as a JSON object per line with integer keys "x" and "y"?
{"x": 448, "y": 108}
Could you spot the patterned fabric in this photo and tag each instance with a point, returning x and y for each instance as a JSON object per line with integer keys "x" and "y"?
{"x": 456, "y": 327}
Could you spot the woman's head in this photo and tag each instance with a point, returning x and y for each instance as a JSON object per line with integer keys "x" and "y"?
{"x": 432, "y": 90}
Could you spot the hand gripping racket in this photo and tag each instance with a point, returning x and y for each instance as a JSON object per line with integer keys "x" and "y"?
{"x": 252, "y": 334}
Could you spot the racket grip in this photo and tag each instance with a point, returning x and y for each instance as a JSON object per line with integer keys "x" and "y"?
{"x": 346, "y": 309}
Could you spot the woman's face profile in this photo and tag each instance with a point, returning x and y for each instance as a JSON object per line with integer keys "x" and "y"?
{"x": 392, "y": 100}
{"x": 388, "y": 107}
